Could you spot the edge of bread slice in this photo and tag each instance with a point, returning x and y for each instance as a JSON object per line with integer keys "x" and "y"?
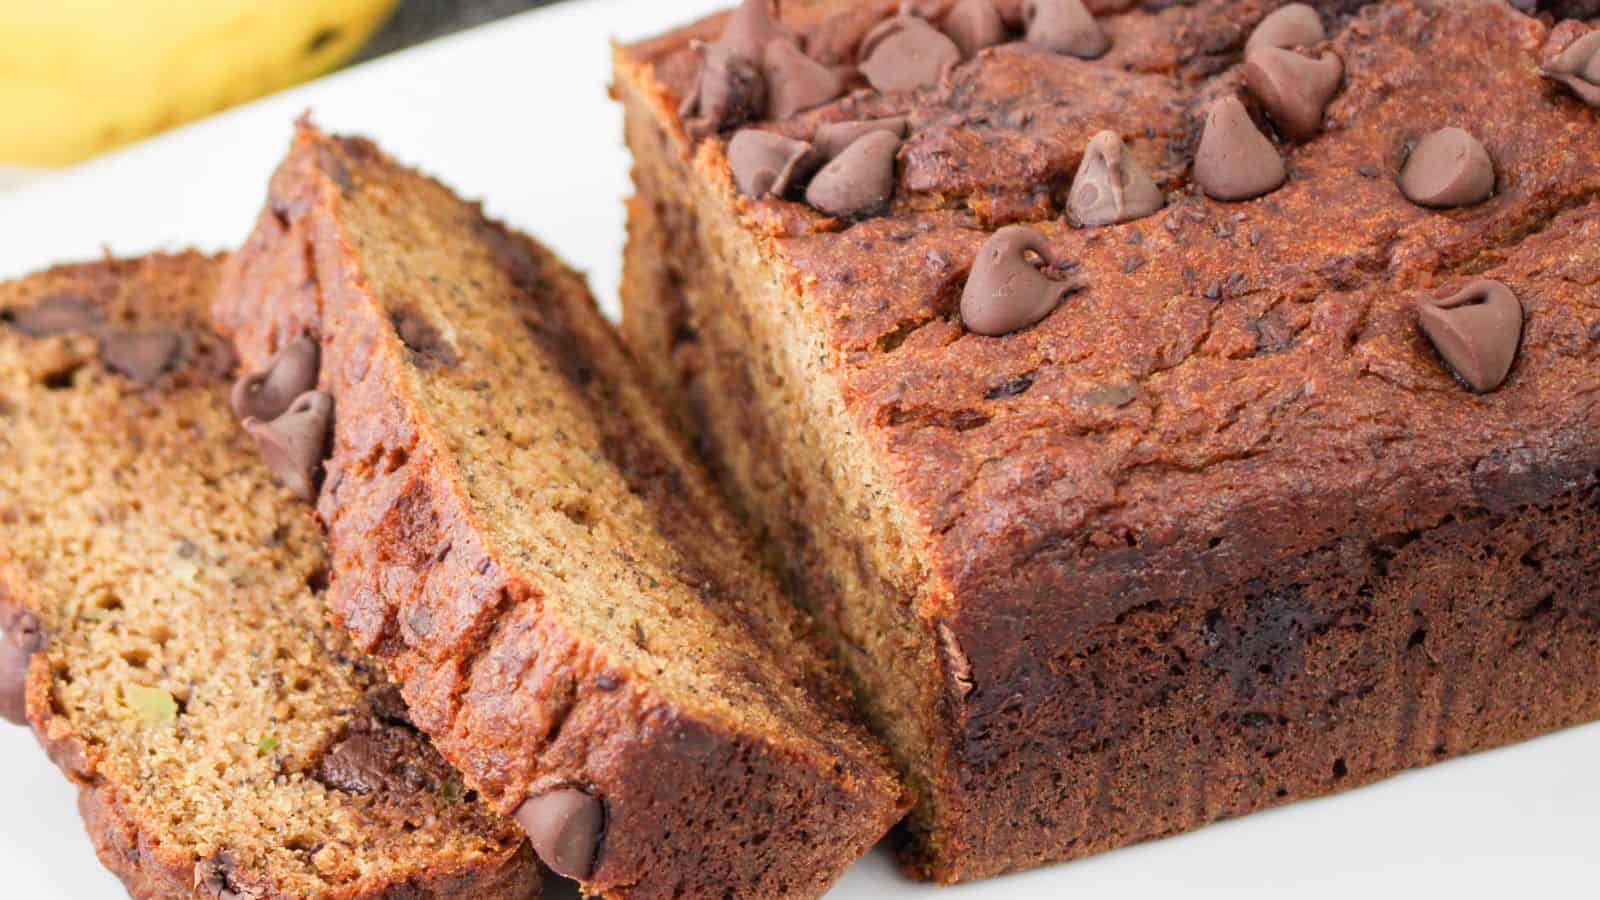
{"x": 160, "y": 603}
{"x": 551, "y": 579}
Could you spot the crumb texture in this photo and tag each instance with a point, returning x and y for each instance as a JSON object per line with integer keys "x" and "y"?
{"x": 189, "y": 683}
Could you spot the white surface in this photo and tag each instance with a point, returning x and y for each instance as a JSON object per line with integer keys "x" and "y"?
{"x": 16, "y": 176}
{"x": 516, "y": 112}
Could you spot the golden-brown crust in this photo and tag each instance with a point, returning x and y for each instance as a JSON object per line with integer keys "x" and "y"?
{"x": 515, "y": 695}
{"x": 131, "y": 839}
{"x": 1238, "y": 395}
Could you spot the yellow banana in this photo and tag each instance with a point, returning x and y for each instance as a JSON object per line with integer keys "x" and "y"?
{"x": 78, "y": 77}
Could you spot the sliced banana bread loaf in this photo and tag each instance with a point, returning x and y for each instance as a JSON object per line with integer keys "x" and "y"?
{"x": 542, "y": 566}
{"x": 1172, "y": 409}
{"x": 163, "y": 628}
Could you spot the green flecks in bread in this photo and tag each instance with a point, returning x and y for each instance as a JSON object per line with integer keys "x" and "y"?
{"x": 176, "y": 595}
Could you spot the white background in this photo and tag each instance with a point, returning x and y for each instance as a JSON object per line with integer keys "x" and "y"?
{"x": 517, "y": 113}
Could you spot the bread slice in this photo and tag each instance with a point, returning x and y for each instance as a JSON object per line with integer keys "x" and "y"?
{"x": 160, "y": 602}
{"x": 518, "y": 534}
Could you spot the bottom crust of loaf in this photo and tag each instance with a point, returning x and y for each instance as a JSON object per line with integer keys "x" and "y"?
{"x": 149, "y": 872}
{"x": 1356, "y": 662}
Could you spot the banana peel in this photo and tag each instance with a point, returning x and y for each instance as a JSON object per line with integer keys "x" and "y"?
{"x": 79, "y": 77}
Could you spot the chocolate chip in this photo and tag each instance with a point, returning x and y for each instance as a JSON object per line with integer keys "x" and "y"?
{"x": 1064, "y": 26}
{"x": 388, "y": 706}
{"x": 974, "y": 25}
{"x": 1111, "y": 186}
{"x": 1294, "y": 89}
{"x": 1235, "y": 160}
{"x": 565, "y": 827}
{"x": 1295, "y": 25}
{"x": 211, "y": 881}
{"x": 795, "y": 81}
{"x": 1448, "y": 168}
{"x": 1578, "y": 67}
{"x": 766, "y": 164}
{"x": 265, "y": 395}
{"x": 218, "y": 878}
{"x": 334, "y": 168}
{"x": 20, "y": 638}
{"x": 1006, "y": 291}
{"x": 373, "y": 758}
{"x": 60, "y": 314}
{"x": 752, "y": 27}
{"x": 294, "y": 444}
{"x": 832, "y": 138}
{"x": 423, "y": 338}
{"x": 728, "y": 91}
{"x": 1476, "y": 330}
{"x": 905, "y": 53}
{"x": 1011, "y": 387}
{"x": 858, "y": 181}
{"x": 141, "y": 358}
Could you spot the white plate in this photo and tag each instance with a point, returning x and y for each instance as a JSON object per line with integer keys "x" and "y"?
{"x": 516, "y": 112}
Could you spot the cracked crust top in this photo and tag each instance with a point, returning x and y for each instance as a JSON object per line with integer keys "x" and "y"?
{"x": 1246, "y": 373}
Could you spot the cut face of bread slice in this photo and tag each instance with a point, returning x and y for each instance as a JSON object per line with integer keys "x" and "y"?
{"x": 521, "y": 538}
{"x": 164, "y": 630}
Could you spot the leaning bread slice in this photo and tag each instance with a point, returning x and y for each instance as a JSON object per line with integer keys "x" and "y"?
{"x": 163, "y": 629}
{"x": 566, "y": 606}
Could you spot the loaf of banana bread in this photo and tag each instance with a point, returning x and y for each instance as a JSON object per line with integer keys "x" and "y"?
{"x": 549, "y": 576}
{"x": 1169, "y": 409}
{"x": 161, "y": 624}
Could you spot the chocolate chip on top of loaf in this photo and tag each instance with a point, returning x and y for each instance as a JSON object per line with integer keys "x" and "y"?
{"x": 161, "y": 621}
{"x": 1573, "y": 60}
{"x": 1183, "y": 502}
{"x": 519, "y": 535}
{"x": 1287, "y": 74}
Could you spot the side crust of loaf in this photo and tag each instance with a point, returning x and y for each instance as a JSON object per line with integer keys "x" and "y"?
{"x": 461, "y": 852}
